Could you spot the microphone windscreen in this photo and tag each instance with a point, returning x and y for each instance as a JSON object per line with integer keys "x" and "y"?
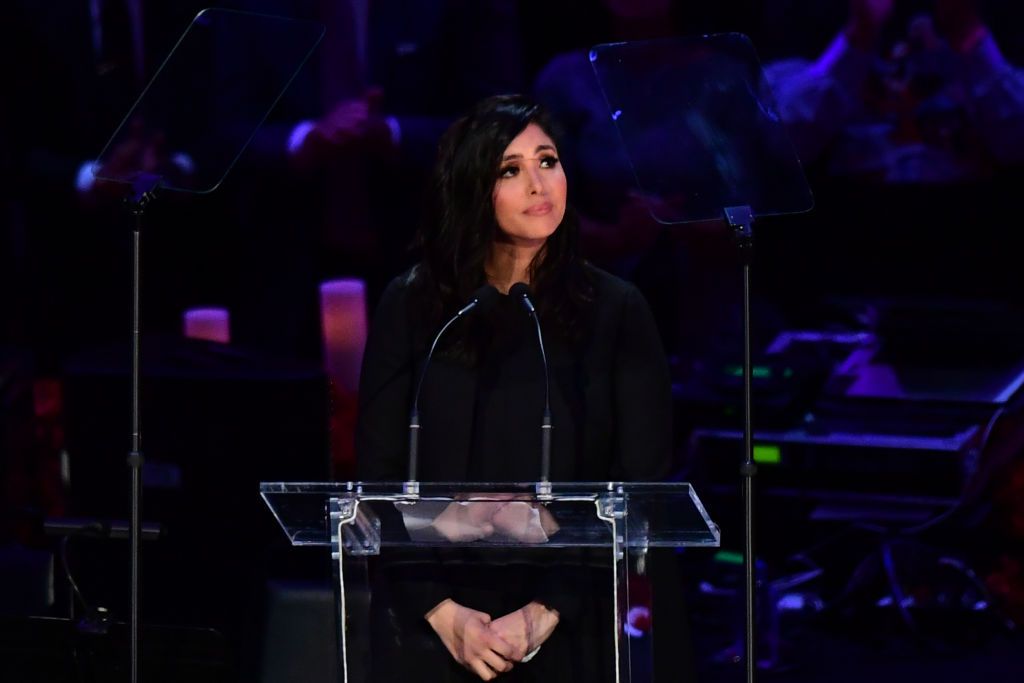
{"x": 519, "y": 290}
{"x": 485, "y": 297}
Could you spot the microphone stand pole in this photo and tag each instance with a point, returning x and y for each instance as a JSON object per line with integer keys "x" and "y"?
{"x": 543, "y": 488}
{"x": 411, "y": 487}
{"x": 741, "y": 219}
{"x": 142, "y": 193}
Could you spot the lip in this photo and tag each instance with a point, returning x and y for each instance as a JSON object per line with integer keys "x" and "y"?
{"x": 542, "y": 209}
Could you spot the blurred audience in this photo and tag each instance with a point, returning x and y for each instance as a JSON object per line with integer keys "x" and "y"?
{"x": 682, "y": 270}
{"x": 937, "y": 103}
{"x": 79, "y": 67}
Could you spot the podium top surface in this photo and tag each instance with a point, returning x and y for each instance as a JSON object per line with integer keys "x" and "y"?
{"x": 556, "y": 514}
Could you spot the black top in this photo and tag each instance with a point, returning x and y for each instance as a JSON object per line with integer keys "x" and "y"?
{"x": 610, "y": 398}
{"x": 481, "y": 421}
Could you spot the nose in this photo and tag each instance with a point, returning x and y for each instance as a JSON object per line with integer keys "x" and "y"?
{"x": 534, "y": 179}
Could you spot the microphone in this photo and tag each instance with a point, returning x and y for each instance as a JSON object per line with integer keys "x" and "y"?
{"x": 483, "y": 298}
{"x": 521, "y": 292}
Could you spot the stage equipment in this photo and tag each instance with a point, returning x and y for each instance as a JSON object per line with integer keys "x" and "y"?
{"x": 184, "y": 133}
{"x": 706, "y": 143}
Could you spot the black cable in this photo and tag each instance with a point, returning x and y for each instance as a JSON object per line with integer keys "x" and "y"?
{"x": 75, "y": 591}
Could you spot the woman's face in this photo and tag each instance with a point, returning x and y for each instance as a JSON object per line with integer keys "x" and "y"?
{"x": 529, "y": 197}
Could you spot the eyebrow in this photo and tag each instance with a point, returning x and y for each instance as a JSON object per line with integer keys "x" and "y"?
{"x": 540, "y": 148}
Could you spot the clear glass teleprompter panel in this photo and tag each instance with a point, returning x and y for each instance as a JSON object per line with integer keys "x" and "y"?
{"x": 700, "y": 127}
{"x": 207, "y": 99}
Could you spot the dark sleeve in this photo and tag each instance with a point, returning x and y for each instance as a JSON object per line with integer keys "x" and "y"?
{"x": 643, "y": 400}
{"x": 643, "y": 433}
{"x": 642, "y": 395}
{"x": 561, "y": 586}
{"x": 385, "y": 392}
{"x": 416, "y": 582}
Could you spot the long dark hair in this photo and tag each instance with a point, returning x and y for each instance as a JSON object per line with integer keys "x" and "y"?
{"x": 460, "y": 227}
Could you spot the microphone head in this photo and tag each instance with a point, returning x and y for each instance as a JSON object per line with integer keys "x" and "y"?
{"x": 485, "y": 297}
{"x": 522, "y": 292}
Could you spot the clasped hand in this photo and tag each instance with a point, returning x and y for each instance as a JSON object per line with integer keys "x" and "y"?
{"x": 473, "y": 520}
{"x": 490, "y": 647}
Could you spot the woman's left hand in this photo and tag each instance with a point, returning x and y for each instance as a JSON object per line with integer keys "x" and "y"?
{"x": 526, "y": 629}
{"x": 525, "y": 522}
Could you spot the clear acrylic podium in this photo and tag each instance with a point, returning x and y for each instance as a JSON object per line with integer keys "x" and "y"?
{"x": 360, "y": 520}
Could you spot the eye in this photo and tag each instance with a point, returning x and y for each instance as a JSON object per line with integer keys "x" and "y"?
{"x": 548, "y": 161}
{"x": 509, "y": 171}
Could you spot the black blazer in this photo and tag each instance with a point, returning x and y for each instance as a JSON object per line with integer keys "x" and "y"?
{"x": 610, "y": 399}
{"x": 611, "y": 413}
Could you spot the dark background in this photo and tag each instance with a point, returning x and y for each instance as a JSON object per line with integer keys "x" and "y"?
{"x": 934, "y": 270}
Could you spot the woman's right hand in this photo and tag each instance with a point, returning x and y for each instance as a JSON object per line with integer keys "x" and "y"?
{"x": 462, "y": 522}
{"x": 467, "y": 635}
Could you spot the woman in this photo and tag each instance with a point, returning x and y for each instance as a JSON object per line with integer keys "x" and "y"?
{"x": 500, "y": 216}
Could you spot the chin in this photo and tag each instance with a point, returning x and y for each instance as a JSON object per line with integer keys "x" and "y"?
{"x": 532, "y": 235}
{"x": 538, "y": 230}
{"x": 531, "y": 230}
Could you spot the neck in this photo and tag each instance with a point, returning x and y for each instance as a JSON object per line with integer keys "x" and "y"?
{"x": 509, "y": 263}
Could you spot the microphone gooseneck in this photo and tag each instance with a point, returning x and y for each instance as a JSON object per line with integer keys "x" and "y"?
{"x": 521, "y": 292}
{"x": 483, "y": 298}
